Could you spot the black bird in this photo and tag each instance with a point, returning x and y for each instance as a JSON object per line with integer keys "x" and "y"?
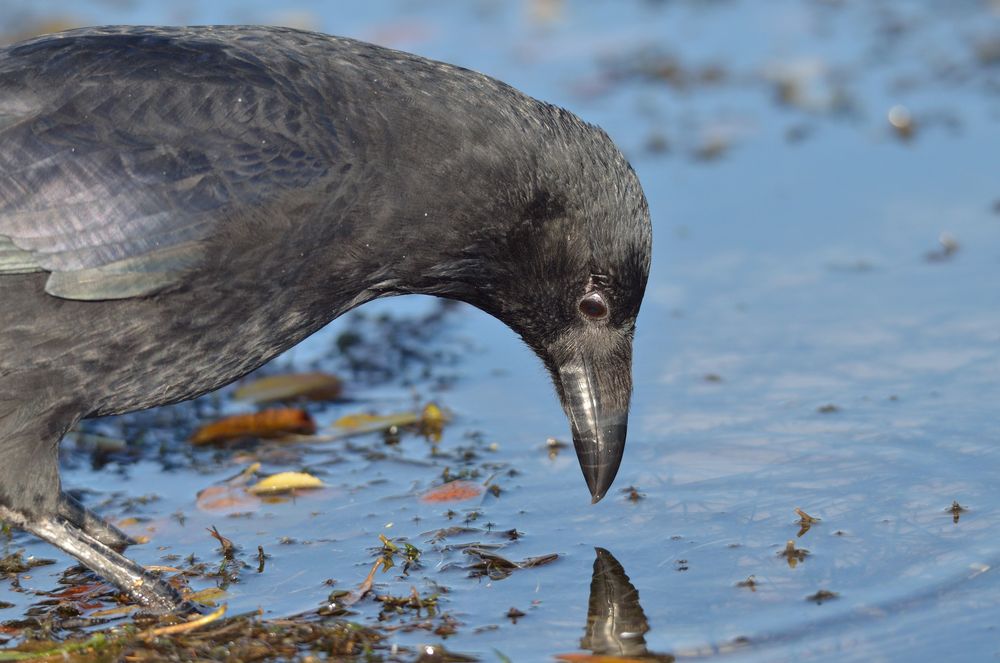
{"x": 180, "y": 205}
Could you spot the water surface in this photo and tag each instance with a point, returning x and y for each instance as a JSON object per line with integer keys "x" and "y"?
{"x": 807, "y": 341}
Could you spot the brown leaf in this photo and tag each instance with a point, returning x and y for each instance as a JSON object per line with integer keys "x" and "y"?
{"x": 358, "y": 424}
{"x": 269, "y": 423}
{"x": 294, "y": 386}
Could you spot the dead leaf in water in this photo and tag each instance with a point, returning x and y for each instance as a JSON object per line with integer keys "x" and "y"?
{"x": 294, "y": 386}
{"x": 430, "y": 421}
{"x": 597, "y": 658}
{"x": 358, "y": 424}
{"x": 220, "y": 498}
{"x": 231, "y": 494}
{"x": 498, "y": 567}
{"x": 453, "y": 491}
{"x": 209, "y": 597}
{"x": 792, "y": 554}
{"x": 285, "y": 482}
{"x": 822, "y": 596}
{"x": 268, "y": 423}
{"x": 805, "y": 521}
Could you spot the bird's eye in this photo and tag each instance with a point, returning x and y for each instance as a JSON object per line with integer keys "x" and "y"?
{"x": 593, "y": 306}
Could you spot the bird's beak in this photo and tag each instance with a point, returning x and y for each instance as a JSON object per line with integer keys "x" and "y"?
{"x": 598, "y": 425}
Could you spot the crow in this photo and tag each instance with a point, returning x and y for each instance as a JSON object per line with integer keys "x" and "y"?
{"x": 180, "y": 205}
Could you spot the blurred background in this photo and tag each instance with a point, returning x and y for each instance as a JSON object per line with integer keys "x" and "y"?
{"x": 821, "y": 331}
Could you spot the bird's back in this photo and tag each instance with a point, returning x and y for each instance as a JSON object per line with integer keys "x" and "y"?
{"x": 123, "y": 150}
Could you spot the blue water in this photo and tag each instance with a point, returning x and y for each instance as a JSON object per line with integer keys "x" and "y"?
{"x": 790, "y": 273}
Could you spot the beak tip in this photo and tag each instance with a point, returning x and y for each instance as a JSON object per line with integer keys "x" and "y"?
{"x": 600, "y": 455}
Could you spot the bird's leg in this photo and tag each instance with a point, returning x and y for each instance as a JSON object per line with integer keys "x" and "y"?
{"x": 151, "y": 592}
{"x": 92, "y": 524}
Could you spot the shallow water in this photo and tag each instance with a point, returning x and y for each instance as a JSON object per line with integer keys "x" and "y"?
{"x": 797, "y": 265}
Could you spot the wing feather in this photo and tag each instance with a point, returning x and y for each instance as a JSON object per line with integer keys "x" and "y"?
{"x": 112, "y": 179}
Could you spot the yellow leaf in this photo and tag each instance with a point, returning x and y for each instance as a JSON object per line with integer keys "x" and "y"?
{"x": 596, "y": 658}
{"x": 186, "y": 626}
{"x": 114, "y": 612}
{"x": 284, "y": 482}
{"x": 432, "y": 421}
{"x": 208, "y": 596}
{"x": 359, "y": 424}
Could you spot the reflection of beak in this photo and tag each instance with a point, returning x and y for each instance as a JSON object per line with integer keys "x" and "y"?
{"x": 598, "y": 428}
{"x": 616, "y": 623}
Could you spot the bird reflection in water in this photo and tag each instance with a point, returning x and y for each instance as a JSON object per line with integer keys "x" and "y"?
{"x": 616, "y": 623}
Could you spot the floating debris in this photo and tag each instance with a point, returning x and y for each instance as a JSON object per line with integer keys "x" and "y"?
{"x": 496, "y": 567}
{"x": 315, "y": 386}
{"x": 209, "y": 597}
{"x": 949, "y": 247}
{"x": 554, "y": 446}
{"x": 792, "y": 554}
{"x": 265, "y": 424}
{"x": 902, "y": 122}
{"x": 956, "y": 510}
{"x": 430, "y": 422}
{"x": 16, "y": 563}
{"x": 230, "y": 495}
{"x": 712, "y": 147}
{"x": 809, "y": 85}
{"x": 285, "y": 482}
{"x": 829, "y": 408}
{"x": 514, "y": 614}
{"x": 750, "y": 583}
{"x": 633, "y": 494}
{"x": 805, "y": 521}
{"x": 822, "y": 596}
{"x": 454, "y": 491}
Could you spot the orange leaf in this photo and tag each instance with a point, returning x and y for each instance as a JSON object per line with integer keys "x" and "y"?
{"x": 269, "y": 423}
{"x": 453, "y": 491}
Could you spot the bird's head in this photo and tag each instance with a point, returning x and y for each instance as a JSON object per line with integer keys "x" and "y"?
{"x": 563, "y": 261}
